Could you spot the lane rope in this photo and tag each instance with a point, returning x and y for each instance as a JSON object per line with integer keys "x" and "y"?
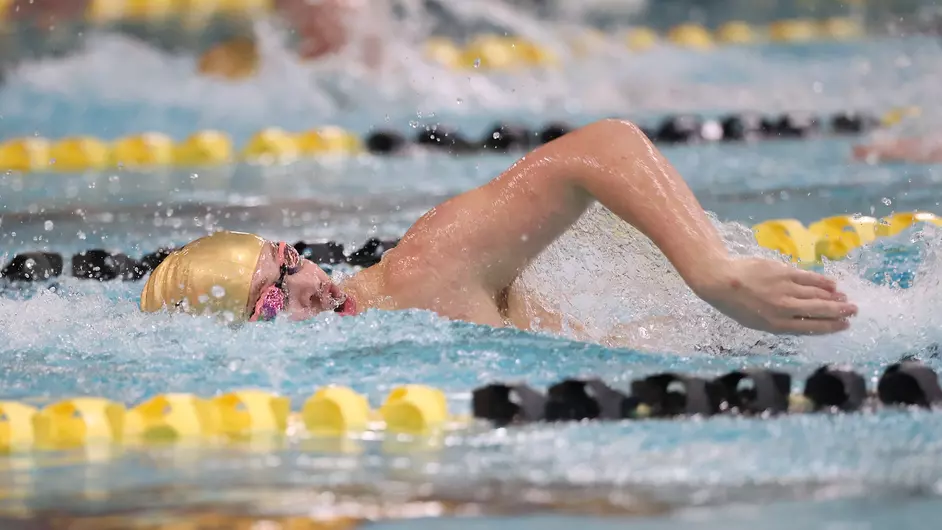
{"x": 275, "y": 146}
{"x": 420, "y": 410}
{"x": 831, "y": 238}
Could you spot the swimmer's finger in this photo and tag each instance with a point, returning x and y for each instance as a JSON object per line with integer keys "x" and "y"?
{"x": 813, "y": 279}
{"x": 812, "y": 326}
{"x": 818, "y": 308}
{"x": 803, "y": 292}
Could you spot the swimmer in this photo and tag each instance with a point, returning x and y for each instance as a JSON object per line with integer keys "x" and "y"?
{"x": 915, "y": 150}
{"x": 462, "y": 258}
{"x": 45, "y": 14}
{"x": 326, "y": 27}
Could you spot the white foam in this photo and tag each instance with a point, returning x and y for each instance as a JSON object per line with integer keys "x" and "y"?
{"x": 605, "y": 274}
{"x": 117, "y": 69}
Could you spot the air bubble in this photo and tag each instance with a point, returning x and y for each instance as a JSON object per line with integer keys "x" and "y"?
{"x": 48, "y": 226}
{"x": 218, "y": 291}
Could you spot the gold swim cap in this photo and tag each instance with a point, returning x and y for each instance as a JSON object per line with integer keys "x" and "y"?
{"x": 210, "y": 275}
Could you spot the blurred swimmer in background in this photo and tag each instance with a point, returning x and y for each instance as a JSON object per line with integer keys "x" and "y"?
{"x": 316, "y": 31}
{"x": 463, "y": 259}
{"x": 919, "y": 150}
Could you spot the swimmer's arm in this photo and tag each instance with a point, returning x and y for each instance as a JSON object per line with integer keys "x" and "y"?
{"x": 917, "y": 150}
{"x": 475, "y": 245}
{"x": 489, "y": 234}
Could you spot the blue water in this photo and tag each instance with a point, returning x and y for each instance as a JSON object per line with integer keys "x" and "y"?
{"x": 862, "y": 471}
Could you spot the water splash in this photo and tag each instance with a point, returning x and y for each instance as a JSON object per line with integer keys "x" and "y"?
{"x": 156, "y": 90}
{"x": 611, "y": 278}
{"x": 86, "y": 338}
{"x": 601, "y": 272}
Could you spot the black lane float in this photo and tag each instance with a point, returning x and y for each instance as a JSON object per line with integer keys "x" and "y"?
{"x": 753, "y": 392}
{"x": 680, "y": 129}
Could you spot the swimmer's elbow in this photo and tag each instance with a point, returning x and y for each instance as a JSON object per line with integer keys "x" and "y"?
{"x": 607, "y": 135}
{"x": 615, "y": 128}
{"x": 613, "y": 134}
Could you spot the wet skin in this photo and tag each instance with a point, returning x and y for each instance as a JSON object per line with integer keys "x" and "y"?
{"x": 461, "y": 258}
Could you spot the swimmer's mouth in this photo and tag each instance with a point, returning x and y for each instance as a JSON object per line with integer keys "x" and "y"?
{"x": 346, "y": 308}
{"x": 343, "y": 308}
{"x": 340, "y": 305}
{"x": 343, "y": 304}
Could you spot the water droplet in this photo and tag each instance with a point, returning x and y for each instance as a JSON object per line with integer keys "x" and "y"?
{"x": 477, "y": 63}
{"x": 414, "y": 124}
{"x": 48, "y": 226}
{"x": 886, "y": 201}
{"x": 218, "y": 291}
{"x": 203, "y": 298}
{"x": 496, "y": 135}
{"x": 460, "y": 101}
{"x": 194, "y": 176}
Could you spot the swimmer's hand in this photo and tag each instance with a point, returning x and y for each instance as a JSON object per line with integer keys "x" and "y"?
{"x": 771, "y": 296}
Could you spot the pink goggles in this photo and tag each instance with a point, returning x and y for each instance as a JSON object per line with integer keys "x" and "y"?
{"x": 274, "y": 299}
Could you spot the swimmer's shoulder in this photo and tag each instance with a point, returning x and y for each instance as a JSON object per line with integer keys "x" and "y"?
{"x": 404, "y": 280}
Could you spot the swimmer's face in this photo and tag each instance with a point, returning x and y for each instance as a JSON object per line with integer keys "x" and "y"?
{"x": 307, "y": 290}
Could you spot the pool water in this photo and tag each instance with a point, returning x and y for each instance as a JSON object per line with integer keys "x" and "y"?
{"x": 84, "y": 338}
